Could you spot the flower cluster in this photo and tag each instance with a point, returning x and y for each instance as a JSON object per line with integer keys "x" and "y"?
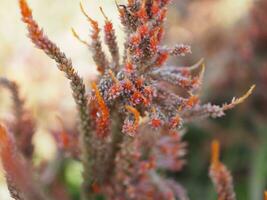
{"x": 130, "y": 122}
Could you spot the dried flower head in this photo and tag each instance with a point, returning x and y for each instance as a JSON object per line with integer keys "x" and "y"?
{"x": 130, "y": 121}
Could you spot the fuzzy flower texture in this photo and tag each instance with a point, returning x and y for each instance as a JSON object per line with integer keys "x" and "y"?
{"x": 129, "y": 122}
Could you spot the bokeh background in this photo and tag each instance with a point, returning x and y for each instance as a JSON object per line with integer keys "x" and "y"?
{"x": 230, "y": 35}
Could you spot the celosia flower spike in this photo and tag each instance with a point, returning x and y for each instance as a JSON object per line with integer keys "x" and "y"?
{"x": 95, "y": 46}
{"x": 93, "y": 22}
{"x": 265, "y": 195}
{"x": 220, "y": 175}
{"x": 110, "y": 39}
{"x": 23, "y": 126}
{"x": 64, "y": 64}
{"x": 19, "y": 180}
{"x": 142, "y": 86}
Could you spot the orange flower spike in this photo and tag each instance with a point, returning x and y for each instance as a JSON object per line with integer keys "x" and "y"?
{"x": 136, "y": 114}
{"x": 215, "y": 154}
{"x": 25, "y": 10}
{"x": 265, "y": 195}
{"x": 104, "y": 109}
{"x": 94, "y": 23}
{"x": 108, "y": 25}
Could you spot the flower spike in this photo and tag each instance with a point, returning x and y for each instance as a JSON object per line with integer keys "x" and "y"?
{"x": 110, "y": 39}
{"x": 220, "y": 175}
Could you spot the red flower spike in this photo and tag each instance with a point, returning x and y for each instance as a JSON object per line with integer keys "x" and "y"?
{"x": 162, "y": 58}
{"x": 108, "y": 27}
{"x": 111, "y": 40}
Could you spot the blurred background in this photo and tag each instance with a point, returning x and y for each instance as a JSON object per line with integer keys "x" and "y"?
{"x": 230, "y": 35}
